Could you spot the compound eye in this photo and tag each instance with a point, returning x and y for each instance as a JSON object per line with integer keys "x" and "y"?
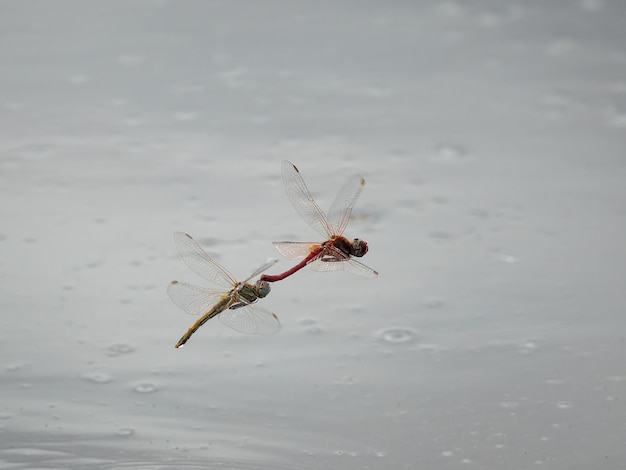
{"x": 263, "y": 289}
{"x": 359, "y": 247}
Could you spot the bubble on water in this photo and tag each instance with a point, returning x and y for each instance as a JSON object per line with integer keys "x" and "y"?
{"x": 397, "y": 335}
{"x": 96, "y": 377}
{"x": 125, "y": 432}
{"x": 119, "y": 349}
{"x": 345, "y": 380}
{"x": 380, "y": 454}
{"x": 564, "y": 405}
{"x": 145, "y": 387}
{"x": 447, "y": 453}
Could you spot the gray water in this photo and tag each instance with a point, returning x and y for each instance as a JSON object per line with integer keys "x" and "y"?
{"x": 492, "y": 139}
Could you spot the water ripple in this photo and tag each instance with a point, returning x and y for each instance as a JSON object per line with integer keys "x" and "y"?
{"x": 397, "y": 335}
{"x": 145, "y": 387}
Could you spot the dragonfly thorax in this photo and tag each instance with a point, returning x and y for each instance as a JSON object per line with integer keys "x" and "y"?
{"x": 356, "y": 247}
{"x": 249, "y": 292}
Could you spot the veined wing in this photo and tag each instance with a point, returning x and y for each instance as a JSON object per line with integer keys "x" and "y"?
{"x": 341, "y": 209}
{"x": 293, "y": 250}
{"x": 201, "y": 263}
{"x": 337, "y": 260}
{"x": 268, "y": 264}
{"x": 303, "y": 201}
{"x": 193, "y": 299}
{"x": 251, "y": 319}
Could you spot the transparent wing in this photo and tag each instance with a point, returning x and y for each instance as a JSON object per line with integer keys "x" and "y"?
{"x": 303, "y": 202}
{"x": 251, "y": 320}
{"x": 337, "y": 260}
{"x": 293, "y": 250}
{"x": 201, "y": 263}
{"x": 341, "y": 209}
{"x": 270, "y": 262}
{"x": 193, "y": 299}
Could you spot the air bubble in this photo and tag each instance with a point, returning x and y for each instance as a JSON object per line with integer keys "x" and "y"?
{"x": 96, "y": 377}
{"x": 125, "y": 432}
{"x": 397, "y": 335}
{"x": 145, "y": 387}
{"x": 119, "y": 349}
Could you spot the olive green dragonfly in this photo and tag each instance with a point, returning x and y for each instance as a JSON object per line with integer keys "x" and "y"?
{"x": 233, "y": 304}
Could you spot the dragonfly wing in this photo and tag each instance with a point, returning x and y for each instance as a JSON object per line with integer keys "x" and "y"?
{"x": 293, "y": 250}
{"x": 356, "y": 267}
{"x": 341, "y": 209}
{"x": 324, "y": 266}
{"x": 201, "y": 263}
{"x": 303, "y": 202}
{"x": 251, "y": 320}
{"x": 269, "y": 263}
{"x": 336, "y": 260}
{"x": 193, "y": 299}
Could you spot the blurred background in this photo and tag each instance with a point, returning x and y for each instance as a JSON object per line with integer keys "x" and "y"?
{"x": 492, "y": 138}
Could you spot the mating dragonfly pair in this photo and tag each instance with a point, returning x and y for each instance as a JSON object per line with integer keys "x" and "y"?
{"x": 235, "y": 306}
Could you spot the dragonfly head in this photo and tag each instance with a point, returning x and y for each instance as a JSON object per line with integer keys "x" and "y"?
{"x": 359, "y": 247}
{"x": 263, "y": 288}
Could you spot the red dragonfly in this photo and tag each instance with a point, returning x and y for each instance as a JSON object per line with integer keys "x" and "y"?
{"x": 337, "y": 252}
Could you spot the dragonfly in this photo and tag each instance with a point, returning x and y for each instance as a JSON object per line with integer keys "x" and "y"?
{"x": 337, "y": 252}
{"x": 233, "y": 304}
